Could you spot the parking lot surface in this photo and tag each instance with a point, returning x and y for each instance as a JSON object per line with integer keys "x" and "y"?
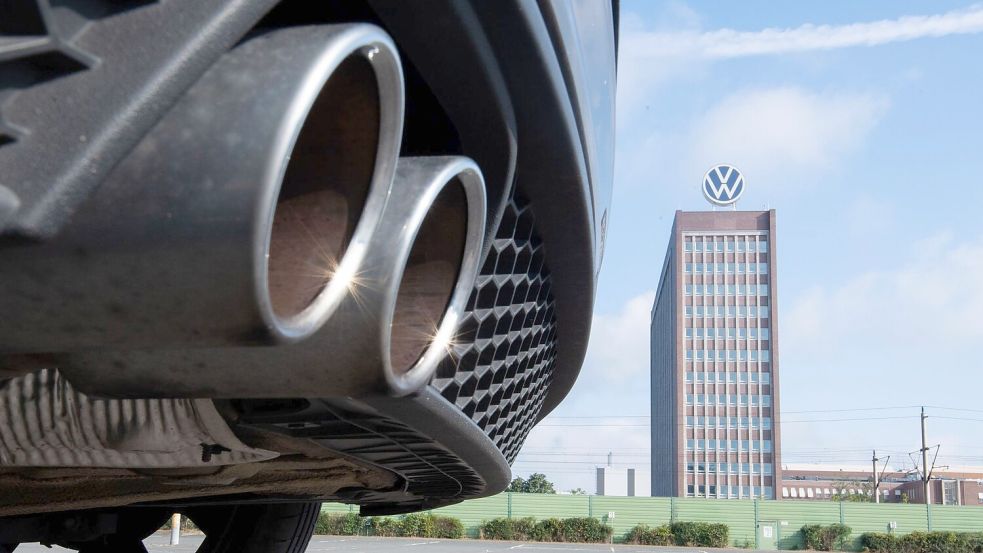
{"x": 319, "y": 544}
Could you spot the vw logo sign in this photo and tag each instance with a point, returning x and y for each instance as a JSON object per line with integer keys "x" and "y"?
{"x": 723, "y": 185}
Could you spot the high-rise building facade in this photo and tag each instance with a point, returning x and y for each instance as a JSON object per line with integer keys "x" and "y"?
{"x": 714, "y": 359}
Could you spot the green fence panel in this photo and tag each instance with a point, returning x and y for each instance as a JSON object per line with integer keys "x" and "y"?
{"x": 337, "y": 508}
{"x": 631, "y": 511}
{"x": 475, "y": 511}
{"x": 736, "y": 514}
{"x": 871, "y": 517}
{"x": 791, "y": 516}
{"x": 540, "y": 506}
{"x": 954, "y": 518}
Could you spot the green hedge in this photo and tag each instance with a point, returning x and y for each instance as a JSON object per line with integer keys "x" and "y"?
{"x": 348, "y": 524}
{"x": 575, "y": 530}
{"x": 923, "y": 542}
{"x": 645, "y": 535}
{"x": 414, "y": 525}
{"x": 418, "y": 526}
{"x": 703, "y": 534}
{"x": 825, "y": 538}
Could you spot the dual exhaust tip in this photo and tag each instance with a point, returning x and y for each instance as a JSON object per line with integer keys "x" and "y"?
{"x": 265, "y": 239}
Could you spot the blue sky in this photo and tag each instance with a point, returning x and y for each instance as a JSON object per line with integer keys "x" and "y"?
{"x": 860, "y": 123}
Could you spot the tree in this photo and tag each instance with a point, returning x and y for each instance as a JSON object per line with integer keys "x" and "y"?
{"x": 537, "y": 483}
{"x": 578, "y": 491}
{"x": 516, "y": 485}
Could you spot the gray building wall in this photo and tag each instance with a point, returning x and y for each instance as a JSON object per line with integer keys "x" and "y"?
{"x": 664, "y": 382}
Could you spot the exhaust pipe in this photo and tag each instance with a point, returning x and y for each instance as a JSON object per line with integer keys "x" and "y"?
{"x": 396, "y": 321}
{"x": 233, "y": 219}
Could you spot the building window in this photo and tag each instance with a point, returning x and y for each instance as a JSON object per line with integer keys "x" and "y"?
{"x": 689, "y": 421}
{"x": 763, "y": 246}
{"x": 719, "y": 246}
{"x": 698, "y": 246}
{"x": 689, "y": 490}
{"x": 730, "y": 245}
{"x": 762, "y": 289}
{"x": 689, "y": 289}
{"x": 751, "y": 268}
{"x": 689, "y": 355}
{"x": 765, "y": 334}
{"x": 751, "y": 246}
{"x": 765, "y": 355}
{"x": 740, "y": 268}
{"x": 687, "y": 246}
{"x": 740, "y": 245}
{"x": 689, "y": 332}
{"x": 689, "y": 399}
{"x": 767, "y": 467}
{"x": 689, "y": 268}
{"x": 763, "y": 312}
{"x": 763, "y": 268}
{"x": 689, "y": 310}
{"x": 766, "y": 378}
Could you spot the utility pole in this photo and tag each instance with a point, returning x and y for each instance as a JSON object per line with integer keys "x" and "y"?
{"x": 873, "y": 464}
{"x": 925, "y": 472}
{"x": 878, "y": 478}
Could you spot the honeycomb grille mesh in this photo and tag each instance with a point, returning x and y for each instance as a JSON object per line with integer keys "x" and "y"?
{"x": 502, "y": 364}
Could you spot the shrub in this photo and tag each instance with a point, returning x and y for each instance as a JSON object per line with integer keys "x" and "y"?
{"x": 825, "y": 538}
{"x": 386, "y": 527}
{"x": 580, "y": 530}
{"x": 519, "y": 529}
{"x": 586, "y": 530}
{"x": 879, "y": 542}
{"x": 923, "y": 542}
{"x": 550, "y": 529}
{"x": 644, "y": 535}
{"x": 703, "y": 534}
{"x": 417, "y": 525}
{"x": 448, "y": 528}
{"x": 348, "y": 524}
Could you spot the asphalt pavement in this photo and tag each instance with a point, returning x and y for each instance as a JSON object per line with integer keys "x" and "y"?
{"x": 159, "y": 544}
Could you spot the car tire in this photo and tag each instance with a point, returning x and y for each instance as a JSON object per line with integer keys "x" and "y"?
{"x": 256, "y": 528}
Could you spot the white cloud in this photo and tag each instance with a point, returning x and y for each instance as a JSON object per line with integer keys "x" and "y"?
{"x": 619, "y": 342}
{"x": 778, "y": 132}
{"x": 729, "y": 43}
{"x": 927, "y": 308}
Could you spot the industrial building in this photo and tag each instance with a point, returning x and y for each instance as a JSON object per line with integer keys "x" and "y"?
{"x": 714, "y": 359}
{"x": 951, "y": 486}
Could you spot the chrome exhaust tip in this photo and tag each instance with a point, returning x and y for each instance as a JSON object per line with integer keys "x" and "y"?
{"x": 342, "y": 139}
{"x": 229, "y": 222}
{"x": 440, "y": 245}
